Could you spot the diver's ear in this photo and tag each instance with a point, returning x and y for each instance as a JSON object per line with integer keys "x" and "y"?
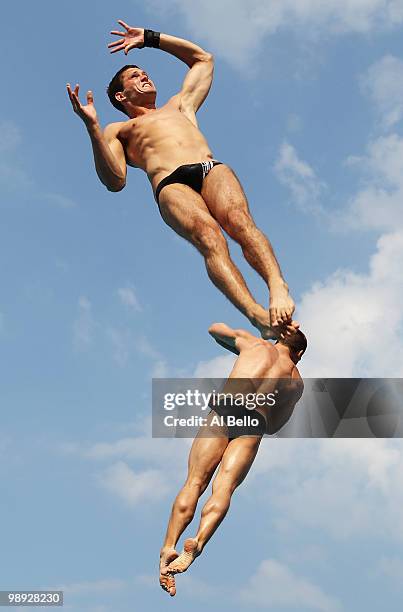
{"x": 300, "y": 353}
{"x": 120, "y": 96}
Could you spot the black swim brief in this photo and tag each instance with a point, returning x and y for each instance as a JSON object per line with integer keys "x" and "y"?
{"x": 188, "y": 174}
{"x": 252, "y": 422}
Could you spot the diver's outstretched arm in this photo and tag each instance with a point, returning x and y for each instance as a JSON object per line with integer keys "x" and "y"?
{"x": 133, "y": 38}
{"x": 229, "y": 338}
{"x": 109, "y": 156}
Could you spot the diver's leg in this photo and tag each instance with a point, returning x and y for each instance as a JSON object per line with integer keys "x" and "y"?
{"x": 235, "y": 464}
{"x": 185, "y": 211}
{"x": 204, "y": 456}
{"x": 228, "y": 204}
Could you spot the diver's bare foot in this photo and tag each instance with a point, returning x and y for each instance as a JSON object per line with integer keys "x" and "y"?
{"x": 191, "y": 550}
{"x": 167, "y": 579}
{"x": 261, "y": 320}
{"x": 281, "y": 305}
{"x": 167, "y": 582}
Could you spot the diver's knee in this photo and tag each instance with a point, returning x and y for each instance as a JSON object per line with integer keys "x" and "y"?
{"x": 209, "y": 239}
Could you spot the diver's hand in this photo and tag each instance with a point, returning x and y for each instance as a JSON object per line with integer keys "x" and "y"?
{"x": 86, "y": 112}
{"x": 131, "y": 39}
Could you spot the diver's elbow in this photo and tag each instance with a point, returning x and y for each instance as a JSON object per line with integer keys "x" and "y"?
{"x": 116, "y": 187}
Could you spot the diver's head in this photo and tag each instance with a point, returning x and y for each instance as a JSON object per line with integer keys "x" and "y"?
{"x": 131, "y": 87}
{"x": 296, "y": 343}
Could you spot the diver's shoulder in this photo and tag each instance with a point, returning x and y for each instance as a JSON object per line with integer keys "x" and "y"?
{"x": 113, "y": 129}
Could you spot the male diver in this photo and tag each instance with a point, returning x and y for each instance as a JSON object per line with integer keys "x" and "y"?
{"x": 198, "y": 196}
{"x": 261, "y": 369}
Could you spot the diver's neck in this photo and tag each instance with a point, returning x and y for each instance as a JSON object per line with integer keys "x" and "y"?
{"x": 140, "y": 111}
{"x": 285, "y": 351}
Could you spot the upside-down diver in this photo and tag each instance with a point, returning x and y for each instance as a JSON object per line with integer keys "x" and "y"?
{"x": 261, "y": 368}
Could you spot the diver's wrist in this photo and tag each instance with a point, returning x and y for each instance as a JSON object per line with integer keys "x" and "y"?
{"x": 93, "y": 128}
{"x": 151, "y": 38}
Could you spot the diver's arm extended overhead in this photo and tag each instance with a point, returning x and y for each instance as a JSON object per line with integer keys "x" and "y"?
{"x": 198, "y": 79}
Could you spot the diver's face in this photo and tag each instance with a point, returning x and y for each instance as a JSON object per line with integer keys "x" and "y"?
{"x": 137, "y": 85}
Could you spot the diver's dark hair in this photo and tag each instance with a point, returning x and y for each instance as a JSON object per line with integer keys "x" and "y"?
{"x": 116, "y": 85}
{"x": 296, "y": 341}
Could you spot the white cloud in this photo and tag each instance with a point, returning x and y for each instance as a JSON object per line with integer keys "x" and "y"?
{"x": 135, "y": 487}
{"x": 375, "y": 459}
{"x": 345, "y": 488}
{"x": 150, "y": 458}
{"x": 383, "y": 82}
{"x": 144, "y": 346}
{"x": 275, "y": 585}
{"x": 353, "y": 322}
{"x": 59, "y": 200}
{"x": 99, "y": 586}
{"x": 218, "y": 367}
{"x": 128, "y": 297}
{"x": 147, "y": 580}
{"x": 300, "y": 178}
{"x": 158, "y": 454}
{"x": 378, "y": 204}
{"x": 216, "y": 22}
{"x": 194, "y": 588}
{"x": 12, "y": 175}
{"x": 308, "y": 554}
{"x": 10, "y": 136}
{"x": 124, "y": 342}
{"x": 84, "y": 325}
{"x": 138, "y": 448}
{"x": 121, "y": 342}
{"x": 160, "y": 369}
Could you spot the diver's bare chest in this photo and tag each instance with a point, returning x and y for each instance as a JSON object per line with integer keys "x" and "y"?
{"x": 144, "y": 130}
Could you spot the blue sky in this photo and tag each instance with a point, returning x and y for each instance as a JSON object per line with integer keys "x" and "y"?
{"x": 98, "y": 296}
